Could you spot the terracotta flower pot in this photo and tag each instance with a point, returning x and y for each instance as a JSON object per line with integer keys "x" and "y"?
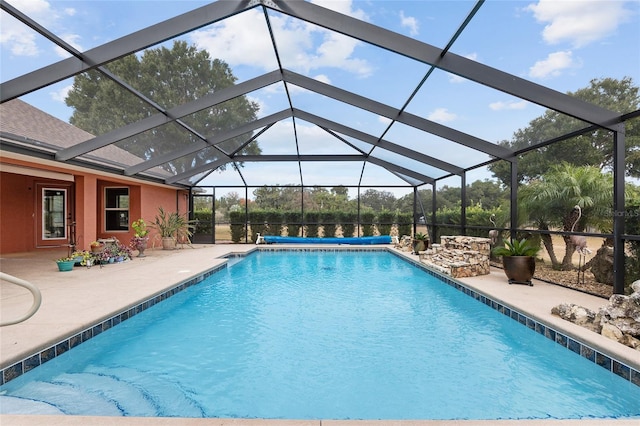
{"x": 168, "y": 243}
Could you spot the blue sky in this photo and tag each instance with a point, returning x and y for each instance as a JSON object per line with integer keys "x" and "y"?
{"x": 560, "y": 44}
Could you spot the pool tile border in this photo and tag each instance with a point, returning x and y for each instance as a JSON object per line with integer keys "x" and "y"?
{"x": 19, "y": 368}
{"x": 582, "y": 349}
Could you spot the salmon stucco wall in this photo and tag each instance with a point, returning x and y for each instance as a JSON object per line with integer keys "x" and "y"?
{"x": 17, "y": 204}
{"x": 19, "y": 207}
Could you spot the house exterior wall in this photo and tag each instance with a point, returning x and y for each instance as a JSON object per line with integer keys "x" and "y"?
{"x": 16, "y": 213}
{"x": 19, "y": 203}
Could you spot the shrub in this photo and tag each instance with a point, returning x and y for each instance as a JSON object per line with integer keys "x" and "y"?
{"x": 257, "y": 219}
{"x": 311, "y": 220}
{"x": 328, "y": 221}
{"x": 205, "y": 221}
{"x": 348, "y": 221}
{"x": 274, "y": 220}
{"x": 237, "y": 225}
{"x": 385, "y": 222}
{"x": 405, "y": 223}
{"x": 366, "y": 219}
{"x": 293, "y": 222}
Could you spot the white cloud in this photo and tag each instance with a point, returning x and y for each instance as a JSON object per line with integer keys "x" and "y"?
{"x": 322, "y": 78}
{"x": 553, "y": 65}
{"x": 61, "y": 94}
{"x": 21, "y": 40}
{"x": 342, "y": 6}
{"x": 384, "y": 120}
{"x": 409, "y": 22}
{"x": 244, "y": 40}
{"x": 511, "y": 105}
{"x": 441, "y": 115}
{"x": 238, "y": 40}
{"x": 578, "y": 22}
{"x": 72, "y": 40}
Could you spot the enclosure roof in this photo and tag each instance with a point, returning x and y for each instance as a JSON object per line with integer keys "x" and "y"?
{"x": 397, "y": 93}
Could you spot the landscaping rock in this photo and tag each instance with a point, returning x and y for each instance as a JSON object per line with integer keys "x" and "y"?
{"x": 619, "y": 320}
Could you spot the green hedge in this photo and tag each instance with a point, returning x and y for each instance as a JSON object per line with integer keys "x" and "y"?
{"x": 293, "y": 222}
{"x": 386, "y": 219}
{"x": 205, "y": 222}
{"x": 348, "y": 222}
{"x": 258, "y": 221}
{"x": 237, "y": 226}
{"x": 329, "y": 225}
{"x": 405, "y": 224}
{"x": 312, "y": 224}
{"x": 275, "y": 220}
{"x": 367, "y": 222}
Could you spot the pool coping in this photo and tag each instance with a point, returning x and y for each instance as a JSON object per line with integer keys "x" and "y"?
{"x": 568, "y": 338}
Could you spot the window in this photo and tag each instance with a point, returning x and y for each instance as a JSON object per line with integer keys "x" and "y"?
{"x": 53, "y": 213}
{"x": 116, "y": 201}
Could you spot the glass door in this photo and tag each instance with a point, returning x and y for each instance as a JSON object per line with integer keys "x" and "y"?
{"x": 54, "y": 209}
{"x": 53, "y": 214}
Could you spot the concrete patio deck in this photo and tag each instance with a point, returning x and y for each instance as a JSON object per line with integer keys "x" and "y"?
{"x": 74, "y": 301}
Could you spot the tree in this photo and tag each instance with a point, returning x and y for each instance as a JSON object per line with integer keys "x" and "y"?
{"x": 169, "y": 77}
{"x": 378, "y": 200}
{"x": 548, "y": 204}
{"x": 486, "y": 193}
{"x": 268, "y": 197}
{"x": 591, "y": 149}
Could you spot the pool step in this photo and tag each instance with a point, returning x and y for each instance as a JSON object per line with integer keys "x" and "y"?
{"x": 106, "y": 392}
{"x": 169, "y": 398}
{"x": 66, "y": 398}
{"x": 130, "y": 400}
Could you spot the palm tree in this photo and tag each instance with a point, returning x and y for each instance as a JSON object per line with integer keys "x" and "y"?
{"x": 548, "y": 203}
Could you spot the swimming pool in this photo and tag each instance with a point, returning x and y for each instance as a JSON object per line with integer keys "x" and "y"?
{"x": 370, "y": 339}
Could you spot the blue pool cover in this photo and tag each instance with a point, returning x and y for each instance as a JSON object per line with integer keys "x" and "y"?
{"x": 382, "y": 239}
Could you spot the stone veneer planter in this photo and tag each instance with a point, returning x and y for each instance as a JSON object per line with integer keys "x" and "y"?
{"x": 459, "y": 256}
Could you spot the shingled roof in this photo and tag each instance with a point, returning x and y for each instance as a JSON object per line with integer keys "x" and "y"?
{"x": 21, "y": 122}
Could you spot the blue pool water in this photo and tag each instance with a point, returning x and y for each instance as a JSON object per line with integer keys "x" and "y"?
{"x": 322, "y": 334}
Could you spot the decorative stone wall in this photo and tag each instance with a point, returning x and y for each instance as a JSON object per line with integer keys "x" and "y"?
{"x": 459, "y": 256}
{"x": 619, "y": 320}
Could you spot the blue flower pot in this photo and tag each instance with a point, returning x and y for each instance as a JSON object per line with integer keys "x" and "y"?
{"x": 66, "y": 266}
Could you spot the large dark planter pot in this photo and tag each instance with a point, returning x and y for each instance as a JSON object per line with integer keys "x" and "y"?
{"x": 519, "y": 269}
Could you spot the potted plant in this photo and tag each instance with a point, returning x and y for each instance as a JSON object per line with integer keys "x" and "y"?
{"x": 65, "y": 264}
{"x": 171, "y": 227}
{"x": 83, "y": 258}
{"x": 96, "y": 247}
{"x": 141, "y": 237}
{"x": 419, "y": 242}
{"x": 518, "y": 260}
{"x": 122, "y": 252}
{"x": 105, "y": 256}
